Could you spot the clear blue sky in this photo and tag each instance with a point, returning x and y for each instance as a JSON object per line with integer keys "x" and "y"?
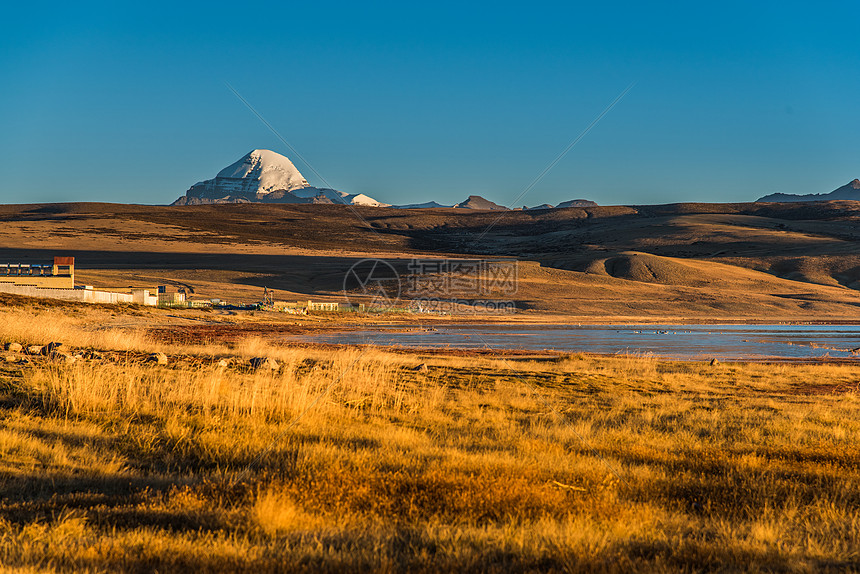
{"x": 732, "y": 100}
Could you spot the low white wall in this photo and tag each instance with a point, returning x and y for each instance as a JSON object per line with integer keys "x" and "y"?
{"x": 85, "y": 295}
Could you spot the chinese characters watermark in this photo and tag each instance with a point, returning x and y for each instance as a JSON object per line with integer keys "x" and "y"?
{"x": 444, "y": 286}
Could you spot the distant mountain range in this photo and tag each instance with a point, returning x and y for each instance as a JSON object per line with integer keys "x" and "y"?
{"x": 849, "y": 191}
{"x": 264, "y": 176}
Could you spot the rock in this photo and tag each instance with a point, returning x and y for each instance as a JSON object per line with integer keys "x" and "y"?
{"x": 714, "y": 362}
{"x": 264, "y": 363}
{"x": 159, "y": 358}
{"x": 34, "y": 349}
{"x": 422, "y": 368}
{"x": 13, "y": 347}
{"x": 12, "y": 358}
{"x": 224, "y": 363}
{"x": 51, "y": 347}
{"x": 61, "y": 357}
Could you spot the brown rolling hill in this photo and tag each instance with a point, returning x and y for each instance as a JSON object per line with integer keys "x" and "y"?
{"x": 687, "y": 261}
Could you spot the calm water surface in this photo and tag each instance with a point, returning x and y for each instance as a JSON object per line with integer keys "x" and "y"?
{"x": 670, "y": 341}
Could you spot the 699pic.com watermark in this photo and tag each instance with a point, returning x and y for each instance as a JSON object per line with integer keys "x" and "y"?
{"x": 443, "y": 286}
{"x": 461, "y": 285}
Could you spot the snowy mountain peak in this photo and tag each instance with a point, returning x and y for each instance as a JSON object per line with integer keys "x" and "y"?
{"x": 263, "y": 171}
{"x": 265, "y": 176}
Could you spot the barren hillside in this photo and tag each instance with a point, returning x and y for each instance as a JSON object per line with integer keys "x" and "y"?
{"x": 767, "y": 261}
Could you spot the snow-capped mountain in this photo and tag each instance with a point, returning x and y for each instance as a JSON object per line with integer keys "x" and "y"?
{"x": 267, "y": 177}
{"x": 338, "y": 196}
{"x": 264, "y": 176}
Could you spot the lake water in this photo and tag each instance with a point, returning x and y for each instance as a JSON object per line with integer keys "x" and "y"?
{"x": 668, "y": 341}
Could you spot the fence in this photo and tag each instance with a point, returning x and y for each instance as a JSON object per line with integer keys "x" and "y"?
{"x": 85, "y": 295}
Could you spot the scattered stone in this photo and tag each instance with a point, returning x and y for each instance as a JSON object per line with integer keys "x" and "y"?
{"x": 93, "y": 355}
{"x": 159, "y": 358}
{"x": 422, "y": 368}
{"x": 224, "y": 363}
{"x": 51, "y": 347}
{"x": 12, "y": 358}
{"x": 264, "y": 363}
{"x": 61, "y": 357}
{"x": 714, "y": 362}
{"x": 34, "y": 349}
{"x": 13, "y": 347}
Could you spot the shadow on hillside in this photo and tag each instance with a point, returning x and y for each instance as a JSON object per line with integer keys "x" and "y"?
{"x": 314, "y": 275}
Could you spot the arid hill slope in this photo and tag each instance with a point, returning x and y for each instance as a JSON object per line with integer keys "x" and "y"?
{"x": 769, "y": 261}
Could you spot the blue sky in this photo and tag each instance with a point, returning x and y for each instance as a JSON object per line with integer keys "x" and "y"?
{"x": 410, "y": 103}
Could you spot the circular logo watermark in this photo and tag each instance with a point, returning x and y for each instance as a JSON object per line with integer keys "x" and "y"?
{"x": 373, "y": 283}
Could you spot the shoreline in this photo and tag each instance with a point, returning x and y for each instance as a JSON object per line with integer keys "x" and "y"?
{"x": 550, "y": 355}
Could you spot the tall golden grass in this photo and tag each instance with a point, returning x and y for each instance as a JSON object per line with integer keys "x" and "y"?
{"x": 84, "y": 328}
{"x": 370, "y": 381}
{"x": 571, "y": 463}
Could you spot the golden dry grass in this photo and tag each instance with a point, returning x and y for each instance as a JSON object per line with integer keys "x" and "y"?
{"x": 570, "y": 463}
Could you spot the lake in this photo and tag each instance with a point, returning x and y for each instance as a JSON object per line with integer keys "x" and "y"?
{"x": 665, "y": 341}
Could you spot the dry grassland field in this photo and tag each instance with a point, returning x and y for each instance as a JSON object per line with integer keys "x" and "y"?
{"x": 162, "y": 440}
{"x": 362, "y": 459}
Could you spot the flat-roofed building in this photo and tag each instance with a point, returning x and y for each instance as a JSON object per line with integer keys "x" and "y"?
{"x": 144, "y": 297}
{"x": 57, "y": 281}
{"x": 175, "y": 299}
{"x": 60, "y": 275}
